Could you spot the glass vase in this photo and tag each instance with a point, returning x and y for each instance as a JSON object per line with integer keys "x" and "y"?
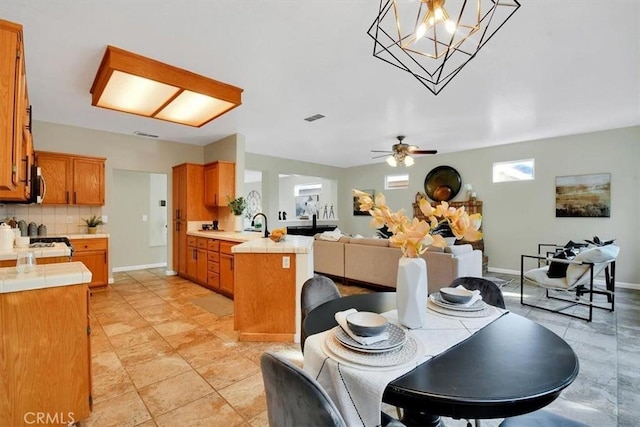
{"x": 411, "y": 292}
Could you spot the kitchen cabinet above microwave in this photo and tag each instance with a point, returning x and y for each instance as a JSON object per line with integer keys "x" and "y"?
{"x": 72, "y": 179}
{"x": 16, "y": 143}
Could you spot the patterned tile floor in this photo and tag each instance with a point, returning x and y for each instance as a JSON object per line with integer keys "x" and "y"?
{"x": 160, "y": 359}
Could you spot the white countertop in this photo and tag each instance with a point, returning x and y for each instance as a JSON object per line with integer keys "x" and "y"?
{"x": 242, "y": 236}
{"x": 58, "y": 249}
{"x": 44, "y": 276}
{"x": 84, "y": 236}
{"x": 290, "y": 244}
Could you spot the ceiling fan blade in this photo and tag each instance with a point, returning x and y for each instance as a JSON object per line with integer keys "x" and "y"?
{"x": 381, "y": 151}
{"x": 425, "y": 152}
{"x": 377, "y": 157}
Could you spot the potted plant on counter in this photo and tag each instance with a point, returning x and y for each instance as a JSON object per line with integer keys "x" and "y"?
{"x": 93, "y": 223}
{"x": 237, "y": 206}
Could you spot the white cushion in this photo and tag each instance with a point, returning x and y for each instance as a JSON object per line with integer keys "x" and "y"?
{"x": 579, "y": 274}
{"x": 539, "y": 276}
{"x": 458, "y": 249}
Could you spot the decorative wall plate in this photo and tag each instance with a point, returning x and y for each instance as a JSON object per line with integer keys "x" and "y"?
{"x": 442, "y": 183}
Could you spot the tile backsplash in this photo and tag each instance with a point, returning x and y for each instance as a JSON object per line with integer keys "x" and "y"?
{"x": 59, "y": 220}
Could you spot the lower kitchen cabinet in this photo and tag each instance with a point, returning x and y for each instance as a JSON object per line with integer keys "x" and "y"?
{"x": 197, "y": 259}
{"x": 226, "y": 267}
{"x": 94, "y": 254}
{"x": 45, "y": 366}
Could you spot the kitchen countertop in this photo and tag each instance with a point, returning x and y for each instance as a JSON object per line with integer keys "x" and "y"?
{"x": 232, "y": 236}
{"x": 45, "y": 276}
{"x": 58, "y": 249}
{"x": 290, "y": 244}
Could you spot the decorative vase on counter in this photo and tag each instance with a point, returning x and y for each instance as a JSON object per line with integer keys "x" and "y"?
{"x": 237, "y": 225}
{"x": 92, "y": 230}
{"x": 411, "y": 292}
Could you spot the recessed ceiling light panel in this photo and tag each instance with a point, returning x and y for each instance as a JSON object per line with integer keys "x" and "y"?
{"x": 135, "y": 84}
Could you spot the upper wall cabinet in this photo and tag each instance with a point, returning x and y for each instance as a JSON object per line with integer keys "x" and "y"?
{"x": 71, "y": 179}
{"x": 219, "y": 183}
{"x": 16, "y": 144}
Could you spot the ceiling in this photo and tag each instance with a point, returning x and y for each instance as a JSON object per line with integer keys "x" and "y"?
{"x": 555, "y": 68}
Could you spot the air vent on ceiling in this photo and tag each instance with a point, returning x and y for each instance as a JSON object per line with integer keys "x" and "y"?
{"x": 146, "y": 135}
{"x": 314, "y": 117}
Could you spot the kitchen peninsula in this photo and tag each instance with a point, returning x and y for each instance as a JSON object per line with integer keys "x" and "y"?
{"x": 44, "y": 344}
{"x": 268, "y": 280}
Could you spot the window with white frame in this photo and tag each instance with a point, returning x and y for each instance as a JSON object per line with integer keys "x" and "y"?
{"x": 395, "y": 182}
{"x": 516, "y": 170}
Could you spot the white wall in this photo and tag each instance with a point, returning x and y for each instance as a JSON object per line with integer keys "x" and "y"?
{"x": 519, "y": 215}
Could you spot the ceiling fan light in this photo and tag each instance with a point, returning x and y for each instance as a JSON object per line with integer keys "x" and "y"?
{"x": 408, "y": 161}
{"x": 391, "y": 161}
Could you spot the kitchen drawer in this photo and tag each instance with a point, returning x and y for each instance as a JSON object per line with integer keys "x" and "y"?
{"x": 213, "y": 279}
{"x": 96, "y": 244}
{"x": 213, "y": 266}
{"x": 191, "y": 241}
{"x": 213, "y": 245}
{"x": 213, "y": 256}
{"x": 201, "y": 242}
{"x": 225, "y": 247}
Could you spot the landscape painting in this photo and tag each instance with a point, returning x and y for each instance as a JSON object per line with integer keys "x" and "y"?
{"x": 583, "y": 195}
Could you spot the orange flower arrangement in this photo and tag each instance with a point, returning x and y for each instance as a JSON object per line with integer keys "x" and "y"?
{"x": 414, "y": 236}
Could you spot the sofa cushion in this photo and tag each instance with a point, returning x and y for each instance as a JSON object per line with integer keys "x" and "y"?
{"x": 369, "y": 241}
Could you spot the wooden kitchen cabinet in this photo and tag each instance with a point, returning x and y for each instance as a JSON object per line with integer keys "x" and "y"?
{"x": 187, "y": 205}
{"x": 213, "y": 264}
{"x": 219, "y": 183}
{"x": 226, "y": 268}
{"x": 72, "y": 179}
{"x": 16, "y": 142}
{"x": 197, "y": 259}
{"x": 94, "y": 254}
{"x": 46, "y": 356}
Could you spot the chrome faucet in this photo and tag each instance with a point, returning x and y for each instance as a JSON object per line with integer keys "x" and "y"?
{"x": 253, "y": 220}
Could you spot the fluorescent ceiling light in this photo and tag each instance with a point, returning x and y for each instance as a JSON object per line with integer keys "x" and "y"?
{"x": 134, "y": 84}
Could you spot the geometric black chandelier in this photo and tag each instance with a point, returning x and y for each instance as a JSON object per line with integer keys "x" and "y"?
{"x": 433, "y": 40}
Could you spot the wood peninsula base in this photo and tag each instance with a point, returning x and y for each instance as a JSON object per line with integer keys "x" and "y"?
{"x": 268, "y": 280}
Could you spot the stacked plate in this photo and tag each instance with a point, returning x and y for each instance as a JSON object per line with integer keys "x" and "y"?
{"x": 437, "y": 299}
{"x": 399, "y": 349}
{"x": 397, "y": 337}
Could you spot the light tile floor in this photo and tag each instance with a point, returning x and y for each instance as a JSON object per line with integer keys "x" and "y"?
{"x": 161, "y": 360}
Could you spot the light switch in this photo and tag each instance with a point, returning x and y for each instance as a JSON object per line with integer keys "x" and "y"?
{"x": 105, "y": 219}
{"x": 144, "y": 218}
{"x": 286, "y": 263}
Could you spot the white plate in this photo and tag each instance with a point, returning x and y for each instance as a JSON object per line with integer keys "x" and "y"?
{"x": 398, "y": 356}
{"x": 437, "y": 299}
{"x": 397, "y": 337}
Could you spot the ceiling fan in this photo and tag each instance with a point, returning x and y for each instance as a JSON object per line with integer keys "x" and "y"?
{"x": 401, "y": 153}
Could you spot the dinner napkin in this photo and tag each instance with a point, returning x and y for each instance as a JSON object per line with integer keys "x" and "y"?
{"x": 341, "y": 318}
{"x": 476, "y": 296}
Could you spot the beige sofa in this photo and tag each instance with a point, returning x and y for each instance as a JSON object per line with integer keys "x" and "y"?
{"x": 373, "y": 261}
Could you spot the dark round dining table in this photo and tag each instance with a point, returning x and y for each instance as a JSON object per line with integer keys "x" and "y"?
{"x": 510, "y": 367}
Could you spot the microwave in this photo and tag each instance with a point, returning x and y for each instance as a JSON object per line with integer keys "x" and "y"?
{"x": 37, "y": 186}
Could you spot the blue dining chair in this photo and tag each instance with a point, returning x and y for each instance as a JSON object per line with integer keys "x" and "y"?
{"x": 294, "y": 398}
{"x": 315, "y": 291}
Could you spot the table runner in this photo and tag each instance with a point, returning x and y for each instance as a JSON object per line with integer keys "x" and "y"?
{"x": 357, "y": 392}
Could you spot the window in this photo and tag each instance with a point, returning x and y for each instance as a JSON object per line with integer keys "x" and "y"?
{"x": 394, "y": 182}
{"x": 307, "y": 189}
{"x": 516, "y": 170}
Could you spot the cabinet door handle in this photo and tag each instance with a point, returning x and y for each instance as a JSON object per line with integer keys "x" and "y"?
{"x": 215, "y": 199}
{"x": 26, "y": 169}
{"x": 29, "y": 110}
{"x": 231, "y": 263}
{"x": 66, "y": 198}
{"x": 75, "y": 199}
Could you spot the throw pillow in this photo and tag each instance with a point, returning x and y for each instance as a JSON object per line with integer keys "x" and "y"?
{"x": 559, "y": 269}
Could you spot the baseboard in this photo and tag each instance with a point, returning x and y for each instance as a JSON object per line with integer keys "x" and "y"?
{"x": 138, "y": 267}
{"x": 623, "y": 285}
